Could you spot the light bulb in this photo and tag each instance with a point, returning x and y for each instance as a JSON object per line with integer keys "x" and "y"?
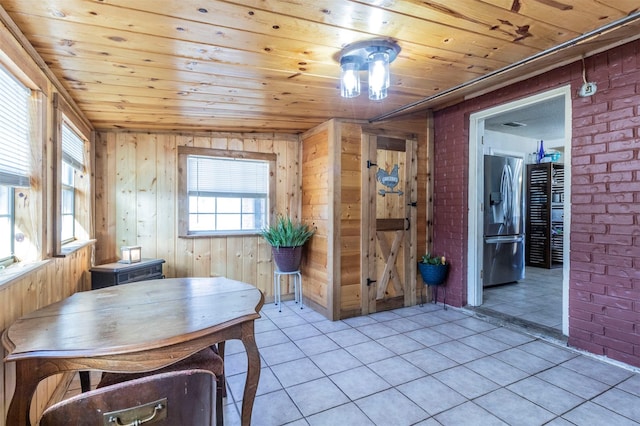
{"x": 349, "y": 78}
{"x": 378, "y": 75}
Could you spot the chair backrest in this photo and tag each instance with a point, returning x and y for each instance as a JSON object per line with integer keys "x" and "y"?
{"x": 184, "y": 397}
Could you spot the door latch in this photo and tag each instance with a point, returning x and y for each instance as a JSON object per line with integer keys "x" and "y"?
{"x": 370, "y": 281}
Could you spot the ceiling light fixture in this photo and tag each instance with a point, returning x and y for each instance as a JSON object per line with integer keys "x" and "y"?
{"x": 372, "y": 55}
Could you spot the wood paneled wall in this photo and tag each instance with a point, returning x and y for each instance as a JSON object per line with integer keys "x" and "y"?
{"x": 136, "y": 203}
{"x": 349, "y": 217}
{"x": 47, "y": 283}
{"x": 317, "y": 204}
{"x": 38, "y": 282}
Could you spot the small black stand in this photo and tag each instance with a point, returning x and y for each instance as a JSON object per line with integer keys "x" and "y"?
{"x": 117, "y": 273}
{"x": 435, "y": 297}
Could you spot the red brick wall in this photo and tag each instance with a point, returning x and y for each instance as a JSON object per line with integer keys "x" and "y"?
{"x": 451, "y": 142}
{"x": 604, "y": 295}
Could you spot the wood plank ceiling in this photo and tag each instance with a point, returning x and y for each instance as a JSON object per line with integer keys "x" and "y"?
{"x": 270, "y": 65}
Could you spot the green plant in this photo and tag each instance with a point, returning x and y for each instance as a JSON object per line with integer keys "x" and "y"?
{"x": 431, "y": 259}
{"x": 287, "y": 232}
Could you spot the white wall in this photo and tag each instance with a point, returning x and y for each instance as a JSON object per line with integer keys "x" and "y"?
{"x": 498, "y": 142}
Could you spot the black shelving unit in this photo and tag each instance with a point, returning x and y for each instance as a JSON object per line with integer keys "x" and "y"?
{"x": 545, "y": 215}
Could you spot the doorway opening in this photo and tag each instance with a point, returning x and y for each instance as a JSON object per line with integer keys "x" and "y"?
{"x": 538, "y": 295}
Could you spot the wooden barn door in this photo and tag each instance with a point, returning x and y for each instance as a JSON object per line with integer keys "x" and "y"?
{"x": 389, "y": 231}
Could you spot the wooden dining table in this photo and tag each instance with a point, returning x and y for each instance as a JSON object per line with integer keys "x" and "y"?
{"x": 135, "y": 327}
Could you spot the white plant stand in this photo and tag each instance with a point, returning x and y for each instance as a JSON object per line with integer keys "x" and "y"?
{"x": 297, "y": 287}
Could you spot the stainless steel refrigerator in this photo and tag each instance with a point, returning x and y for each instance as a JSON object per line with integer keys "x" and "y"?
{"x": 503, "y": 220}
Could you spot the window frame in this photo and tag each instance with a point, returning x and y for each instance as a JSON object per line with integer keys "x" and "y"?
{"x": 83, "y": 185}
{"x": 22, "y": 176}
{"x": 183, "y": 196}
{"x": 8, "y": 260}
{"x": 68, "y": 189}
{"x": 29, "y": 245}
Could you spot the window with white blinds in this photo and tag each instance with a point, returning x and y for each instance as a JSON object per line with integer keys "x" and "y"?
{"x": 72, "y": 164}
{"x": 209, "y": 175}
{"x": 226, "y": 195}
{"x": 72, "y": 148}
{"x": 14, "y": 131}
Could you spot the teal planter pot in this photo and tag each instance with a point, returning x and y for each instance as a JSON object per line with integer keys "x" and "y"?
{"x": 433, "y": 274}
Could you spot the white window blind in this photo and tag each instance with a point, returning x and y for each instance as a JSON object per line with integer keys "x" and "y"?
{"x": 220, "y": 177}
{"x": 14, "y": 131}
{"x": 72, "y": 148}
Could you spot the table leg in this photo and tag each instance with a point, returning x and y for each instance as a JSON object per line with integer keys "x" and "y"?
{"x": 26, "y": 384}
{"x": 85, "y": 381}
{"x": 220, "y": 347}
{"x": 253, "y": 372}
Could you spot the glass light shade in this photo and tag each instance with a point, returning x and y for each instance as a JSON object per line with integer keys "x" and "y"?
{"x": 378, "y": 75}
{"x": 349, "y": 79}
{"x": 131, "y": 254}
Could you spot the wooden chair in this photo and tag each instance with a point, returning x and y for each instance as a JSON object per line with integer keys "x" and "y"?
{"x": 207, "y": 359}
{"x": 185, "y": 397}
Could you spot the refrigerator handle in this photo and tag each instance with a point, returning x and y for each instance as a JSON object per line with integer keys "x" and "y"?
{"x": 498, "y": 240}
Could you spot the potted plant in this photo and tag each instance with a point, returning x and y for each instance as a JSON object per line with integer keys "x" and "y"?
{"x": 433, "y": 269}
{"x": 286, "y": 238}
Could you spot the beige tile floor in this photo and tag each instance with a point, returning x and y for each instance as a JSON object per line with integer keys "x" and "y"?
{"x": 422, "y": 366}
